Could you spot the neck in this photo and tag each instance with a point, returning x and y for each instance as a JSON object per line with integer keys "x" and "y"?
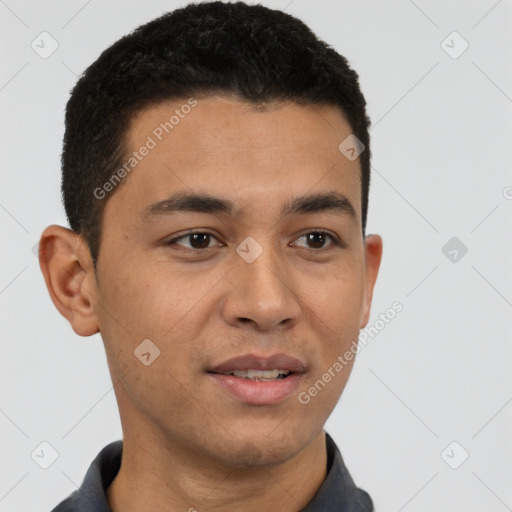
{"x": 160, "y": 476}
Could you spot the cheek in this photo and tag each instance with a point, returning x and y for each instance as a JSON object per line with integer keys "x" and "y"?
{"x": 169, "y": 308}
{"x": 334, "y": 317}
{"x": 334, "y": 312}
{"x": 151, "y": 302}
{"x": 139, "y": 307}
{"x": 324, "y": 385}
{"x": 337, "y": 303}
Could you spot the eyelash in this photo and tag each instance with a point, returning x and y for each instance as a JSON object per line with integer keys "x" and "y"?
{"x": 334, "y": 241}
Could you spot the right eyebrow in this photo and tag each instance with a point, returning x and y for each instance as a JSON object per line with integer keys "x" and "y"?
{"x": 189, "y": 202}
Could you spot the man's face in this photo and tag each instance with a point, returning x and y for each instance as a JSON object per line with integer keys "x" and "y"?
{"x": 203, "y": 300}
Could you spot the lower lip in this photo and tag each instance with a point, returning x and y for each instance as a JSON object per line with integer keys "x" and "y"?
{"x": 258, "y": 392}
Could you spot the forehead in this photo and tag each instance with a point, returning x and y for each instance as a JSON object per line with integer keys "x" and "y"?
{"x": 208, "y": 121}
{"x": 226, "y": 147}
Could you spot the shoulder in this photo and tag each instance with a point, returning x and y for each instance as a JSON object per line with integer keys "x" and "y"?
{"x": 91, "y": 496}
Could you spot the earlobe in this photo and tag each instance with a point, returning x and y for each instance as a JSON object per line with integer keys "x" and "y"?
{"x": 373, "y": 256}
{"x": 66, "y": 266}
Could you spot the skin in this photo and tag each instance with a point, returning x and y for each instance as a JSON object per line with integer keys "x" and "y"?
{"x": 187, "y": 443}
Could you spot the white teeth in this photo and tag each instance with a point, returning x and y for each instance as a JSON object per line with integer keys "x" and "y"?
{"x": 259, "y": 374}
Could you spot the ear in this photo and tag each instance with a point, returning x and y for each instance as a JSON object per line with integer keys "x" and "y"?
{"x": 373, "y": 255}
{"x": 66, "y": 264}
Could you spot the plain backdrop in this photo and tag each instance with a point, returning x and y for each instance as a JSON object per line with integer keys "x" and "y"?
{"x": 425, "y": 422}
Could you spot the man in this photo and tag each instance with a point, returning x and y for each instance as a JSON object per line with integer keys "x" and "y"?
{"x": 215, "y": 177}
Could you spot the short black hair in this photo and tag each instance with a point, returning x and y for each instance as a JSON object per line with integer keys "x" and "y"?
{"x": 256, "y": 54}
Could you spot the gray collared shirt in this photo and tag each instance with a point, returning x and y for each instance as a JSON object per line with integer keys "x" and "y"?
{"x": 337, "y": 493}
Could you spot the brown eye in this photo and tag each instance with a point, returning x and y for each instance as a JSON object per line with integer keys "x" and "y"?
{"x": 317, "y": 240}
{"x": 198, "y": 240}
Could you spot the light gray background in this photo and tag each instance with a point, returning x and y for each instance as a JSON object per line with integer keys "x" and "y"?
{"x": 441, "y": 142}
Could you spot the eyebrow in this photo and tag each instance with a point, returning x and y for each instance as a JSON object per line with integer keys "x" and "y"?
{"x": 205, "y": 203}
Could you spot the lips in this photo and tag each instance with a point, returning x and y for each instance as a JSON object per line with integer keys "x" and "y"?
{"x": 256, "y": 380}
{"x": 253, "y": 362}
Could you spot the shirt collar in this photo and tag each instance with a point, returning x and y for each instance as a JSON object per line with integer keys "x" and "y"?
{"x": 337, "y": 493}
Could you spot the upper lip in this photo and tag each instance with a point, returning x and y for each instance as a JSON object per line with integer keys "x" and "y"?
{"x": 254, "y": 362}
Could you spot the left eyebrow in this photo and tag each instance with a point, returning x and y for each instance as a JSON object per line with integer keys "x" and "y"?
{"x": 205, "y": 203}
{"x": 319, "y": 203}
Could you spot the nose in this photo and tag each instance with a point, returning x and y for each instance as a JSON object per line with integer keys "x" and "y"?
{"x": 260, "y": 294}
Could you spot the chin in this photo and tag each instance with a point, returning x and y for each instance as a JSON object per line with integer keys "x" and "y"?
{"x": 258, "y": 449}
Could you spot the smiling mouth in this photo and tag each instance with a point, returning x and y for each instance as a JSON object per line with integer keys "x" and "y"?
{"x": 260, "y": 375}
{"x": 252, "y": 379}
